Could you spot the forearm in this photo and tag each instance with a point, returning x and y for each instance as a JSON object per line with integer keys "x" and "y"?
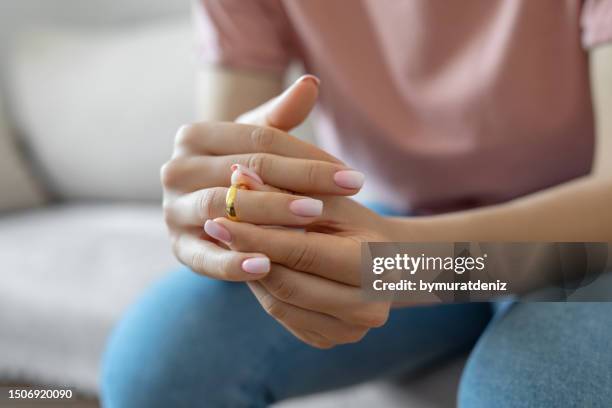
{"x": 224, "y": 94}
{"x": 580, "y": 210}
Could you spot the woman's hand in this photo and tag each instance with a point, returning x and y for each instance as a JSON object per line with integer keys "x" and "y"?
{"x": 313, "y": 287}
{"x": 195, "y": 180}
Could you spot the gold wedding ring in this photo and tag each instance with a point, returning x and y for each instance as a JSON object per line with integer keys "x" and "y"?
{"x": 230, "y": 200}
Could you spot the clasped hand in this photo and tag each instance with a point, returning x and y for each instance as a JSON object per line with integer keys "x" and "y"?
{"x": 305, "y": 274}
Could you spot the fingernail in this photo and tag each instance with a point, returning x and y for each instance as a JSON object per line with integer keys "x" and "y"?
{"x": 310, "y": 77}
{"x": 217, "y": 231}
{"x": 256, "y": 265}
{"x": 349, "y": 179}
{"x": 239, "y": 177}
{"x": 247, "y": 172}
{"x": 306, "y": 207}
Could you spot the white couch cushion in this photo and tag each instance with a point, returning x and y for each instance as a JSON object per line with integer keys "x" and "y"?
{"x": 68, "y": 272}
{"x": 99, "y": 109}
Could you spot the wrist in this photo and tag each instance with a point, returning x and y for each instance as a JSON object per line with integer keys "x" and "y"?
{"x": 426, "y": 228}
{"x": 402, "y": 229}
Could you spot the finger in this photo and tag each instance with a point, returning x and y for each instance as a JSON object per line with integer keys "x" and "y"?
{"x": 304, "y": 176}
{"x": 306, "y": 335}
{"x": 298, "y": 320}
{"x": 299, "y": 175}
{"x": 321, "y": 295}
{"x": 185, "y": 174}
{"x": 228, "y": 138}
{"x": 242, "y": 175}
{"x": 206, "y": 258}
{"x": 257, "y": 207}
{"x": 329, "y": 256}
{"x": 195, "y": 208}
{"x": 287, "y": 110}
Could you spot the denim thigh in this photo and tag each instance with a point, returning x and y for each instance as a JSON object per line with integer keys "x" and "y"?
{"x": 542, "y": 355}
{"x": 192, "y": 341}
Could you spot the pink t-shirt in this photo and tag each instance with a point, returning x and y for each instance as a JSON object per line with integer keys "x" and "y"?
{"x": 442, "y": 104}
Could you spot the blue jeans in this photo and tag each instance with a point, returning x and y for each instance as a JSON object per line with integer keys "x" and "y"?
{"x": 194, "y": 342}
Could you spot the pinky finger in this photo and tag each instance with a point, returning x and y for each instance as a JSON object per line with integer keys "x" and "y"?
{"x": 208, "y": 259}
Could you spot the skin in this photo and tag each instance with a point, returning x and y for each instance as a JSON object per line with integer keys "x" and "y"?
{"x": 312, "y": 287}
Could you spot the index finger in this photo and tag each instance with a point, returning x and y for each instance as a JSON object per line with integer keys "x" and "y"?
{"x": 225, "y": 138}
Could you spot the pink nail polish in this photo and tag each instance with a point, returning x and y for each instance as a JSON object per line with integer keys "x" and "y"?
{"x": 247, "y": 172}
{"x": 239, "y": 177}
{"x": 349, "y": 179}
{"x": 310, "y": 77}
{"x": 256, "y": 265}
{"x": 217, "y": 231}
{"x": 306, "y": 207}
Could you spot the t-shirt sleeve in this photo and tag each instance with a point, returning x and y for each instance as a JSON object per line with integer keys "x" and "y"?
{"x": 596, "y": 22}
{"x": 244, "y": 34}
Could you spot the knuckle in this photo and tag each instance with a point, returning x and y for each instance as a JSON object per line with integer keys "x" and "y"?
{"x": 175, "y": 243}
{"x": 316, "y": 340}
{"x": 262, "y": 139}
{"x": 170, "y": 173}
{"x": 355, "y": 335}
{"x": 258, "y": 162}
{"x": 280, "y": 287}
{"x": 225, "y": 266}
{"x": 321, "y": 344}
{"x": 198, "y": 262}
{"x": 187, "y": 135}
{"x": 206, "y": 201}
{"x": 375, "y": 318}
{"x": 167, "y": 213}
{"x": 275, "y": 308}
{"x": 203, "y": 264}
{"x": 312, "y": 173}
{"x": 302, "y": 257}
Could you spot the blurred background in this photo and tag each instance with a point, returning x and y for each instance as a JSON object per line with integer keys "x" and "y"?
{"x": 81, "y": 232}
{"x": 91, "y": 93}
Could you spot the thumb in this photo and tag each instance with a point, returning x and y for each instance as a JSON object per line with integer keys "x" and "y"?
{"x": 287, "y": 110}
